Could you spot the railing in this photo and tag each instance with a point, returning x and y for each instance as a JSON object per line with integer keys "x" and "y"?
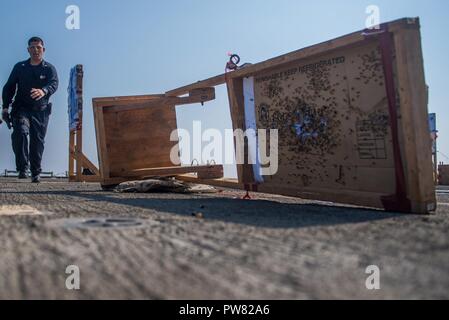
{"x": 50, "y": 174}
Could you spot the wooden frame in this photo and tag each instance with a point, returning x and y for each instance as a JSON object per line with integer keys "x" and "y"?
{"x": 77, "y": 160}
{"x": 133, "y": 137}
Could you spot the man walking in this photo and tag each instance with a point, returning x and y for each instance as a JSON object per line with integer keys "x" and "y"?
{"x": 31, "y": 84}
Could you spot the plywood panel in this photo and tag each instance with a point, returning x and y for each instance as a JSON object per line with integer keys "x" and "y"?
{"x": 140, "y": 138}
{"x": 332, "y": 115}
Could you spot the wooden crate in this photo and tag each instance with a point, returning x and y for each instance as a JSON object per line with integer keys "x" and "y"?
{"x": 133, "y": 137}
{"x": 351, "y": 114}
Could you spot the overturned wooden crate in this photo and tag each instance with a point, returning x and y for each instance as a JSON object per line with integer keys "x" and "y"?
{"x": 351, "y": 115}
{"x": 133, "y": 137}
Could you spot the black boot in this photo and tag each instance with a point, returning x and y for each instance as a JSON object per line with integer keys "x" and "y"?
{"x": 36, "y": 179}
{"x": 23, "y": 175}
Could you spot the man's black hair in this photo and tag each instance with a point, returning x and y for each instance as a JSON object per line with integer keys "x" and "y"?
{"x": 35, "y": 39}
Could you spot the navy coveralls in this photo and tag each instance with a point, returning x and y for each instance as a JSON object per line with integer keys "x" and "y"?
{"x": 30, "y": 117}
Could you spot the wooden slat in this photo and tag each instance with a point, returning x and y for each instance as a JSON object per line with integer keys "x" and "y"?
{"x": 236, "y": 101}
{"x": 85, "y": 162}
{"x": 223, "y": 182}
{"x": 71, "y": 155}
{"x": 211, "y": 82}
{"x": 105, "y": 101}
{"x": 79, "y": 148}
{"x": 353, "y": 197}
{"x": 88, "y": 164}
{"x": 200, "y": 96}
{"x": 170, "y": 171}
{"x": 367, "y": 199}
{"x": 101, "y": 142}
{"x": 414, "y": 127}
{"x": 215, "y": 172}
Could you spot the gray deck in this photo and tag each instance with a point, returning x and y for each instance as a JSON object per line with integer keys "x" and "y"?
{"x": 271, "y": 247}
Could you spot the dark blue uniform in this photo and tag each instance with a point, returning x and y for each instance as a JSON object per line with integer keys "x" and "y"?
{"x": 30, "y": 117}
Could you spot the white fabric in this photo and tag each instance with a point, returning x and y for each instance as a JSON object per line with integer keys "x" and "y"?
{"x": 250, "y": 122}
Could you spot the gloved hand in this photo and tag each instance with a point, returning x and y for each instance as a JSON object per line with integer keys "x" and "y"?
{"x": 6, "y": 117}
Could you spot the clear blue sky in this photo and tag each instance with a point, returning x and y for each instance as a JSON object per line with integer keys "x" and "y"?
{"x": 143, "y": 47}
